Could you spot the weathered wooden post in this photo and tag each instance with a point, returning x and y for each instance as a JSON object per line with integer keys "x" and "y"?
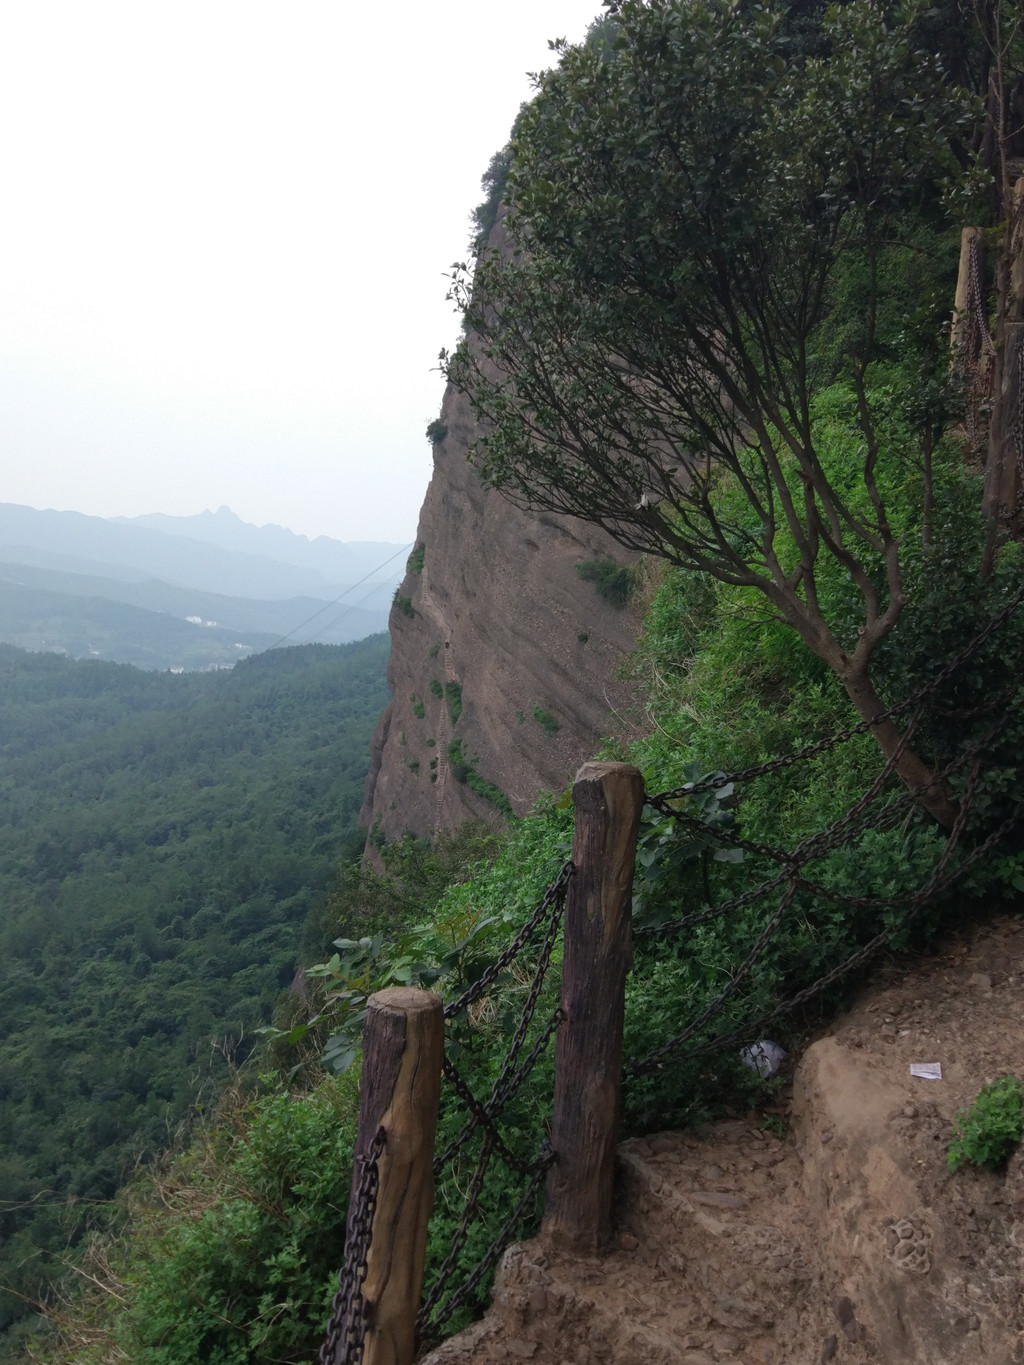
{"x": 588, "y": 1053}
{"x": 403, "y": 1052}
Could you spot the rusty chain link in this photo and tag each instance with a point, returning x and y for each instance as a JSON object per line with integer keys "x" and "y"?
{"x": 483, "y": 1113}
{"x": 553, "y": 897}
{"x": 346, "y": 1330}
{"x": 938, "y": 881}
{"x": 428, "y": 1330}
{"x": 815, "y": 846}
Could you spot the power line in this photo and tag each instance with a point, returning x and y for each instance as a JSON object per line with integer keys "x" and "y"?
{"x": 351, "y": 606}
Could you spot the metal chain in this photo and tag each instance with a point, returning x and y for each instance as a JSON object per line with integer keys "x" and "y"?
{"x": 350, "y": 1312}
{"x": 510, "y": 1078}
{"x": 663, "y": 805}
{"x": 461, "y": 1232}
{"x": 977, "y": 353}
{"x": 481, "y": 1119}
{"x": 512, "y": 1075}
{"x": 428, "y": 1331}
{"x": 815, "y": 846}
{"x": 936, "y": 883}
{"x": 554, "y": 896}
{"x": 752, "y": 1028}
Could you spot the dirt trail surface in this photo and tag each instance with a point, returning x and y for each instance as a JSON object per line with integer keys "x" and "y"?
{"x": 846, "y": 1240}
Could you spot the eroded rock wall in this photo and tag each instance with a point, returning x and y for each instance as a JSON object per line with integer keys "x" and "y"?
{"x": 495, "y": 618}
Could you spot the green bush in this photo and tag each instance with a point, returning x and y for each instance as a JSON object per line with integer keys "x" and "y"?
{"x": 492, "y": 182}
{"x": 614, "y": 582}
{"x": 546, "y": 720}
{"x": 464, "y": 772}
{"x": 233, "y": 1250}
{"x": 987, "y": 1133}
{"x": 418, "y": 709}
{"x": 403, "y": 603}
{"x": 414, "y": 564}
{"x": 436, "y": 431}
{"x": 434, "y": 650}
{"x": 436, "y": 688}
{"x": 453, "y": 695}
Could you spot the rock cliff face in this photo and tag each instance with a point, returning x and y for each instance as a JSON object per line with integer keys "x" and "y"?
{"x": 503, "y": 659}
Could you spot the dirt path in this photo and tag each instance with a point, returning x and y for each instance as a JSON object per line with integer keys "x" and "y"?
{"x": 847, "y": 1239}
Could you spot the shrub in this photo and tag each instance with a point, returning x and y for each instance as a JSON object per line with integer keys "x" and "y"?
{"x": 404, "y": 604}
{"x": 614, "y": 582}
{"x": 457, "y": 761}
{"x": 987, "y": 1133}
{"x": 436, "y": 431}
{"x": 436, "y": 688}
{"x": 414, "y": 564}
{"x": 418, "y": 709}
{"x": 233, "y": 1249}
{"x": 434, "y": 649}
{"x": 546, "y": 719}
{"x": 453, "y": 695}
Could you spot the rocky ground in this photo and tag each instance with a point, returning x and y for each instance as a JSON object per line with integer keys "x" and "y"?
{"x": 845, "y": 1239}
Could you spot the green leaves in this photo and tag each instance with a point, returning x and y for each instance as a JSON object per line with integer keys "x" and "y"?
{"x": 669, "y": 851}
{"x": 987, "y": 1133}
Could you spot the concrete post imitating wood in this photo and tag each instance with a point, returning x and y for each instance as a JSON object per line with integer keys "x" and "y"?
{"x": 588, "y": 1053}
{"x": 403, "y": 1052}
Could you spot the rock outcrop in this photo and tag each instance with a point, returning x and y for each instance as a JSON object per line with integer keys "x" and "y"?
{"x": 503, "y": 660}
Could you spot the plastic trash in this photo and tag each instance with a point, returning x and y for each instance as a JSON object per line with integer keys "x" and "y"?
{"x": 765, "y": 1058}
{"x": 927, "y": 1071}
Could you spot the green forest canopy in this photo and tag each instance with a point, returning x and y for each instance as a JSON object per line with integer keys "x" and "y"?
{"x": 165, "y": 841}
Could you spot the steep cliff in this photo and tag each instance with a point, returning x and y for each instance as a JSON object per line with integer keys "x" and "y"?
{"x": 503, "y": 659}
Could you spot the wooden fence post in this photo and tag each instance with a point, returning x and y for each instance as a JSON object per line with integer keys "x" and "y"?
{"x": 609, "y": 798}
{"x": 403, "y": 1052}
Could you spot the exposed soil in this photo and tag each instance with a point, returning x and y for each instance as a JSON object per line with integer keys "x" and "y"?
{"x": 847, "y": 1239}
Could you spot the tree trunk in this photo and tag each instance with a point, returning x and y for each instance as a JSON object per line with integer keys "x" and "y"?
{"x": 935, "y": 797}
{"x": 1002, "y": 495}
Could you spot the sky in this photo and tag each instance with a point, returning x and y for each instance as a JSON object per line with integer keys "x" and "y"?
{"x": 224, "y": 235}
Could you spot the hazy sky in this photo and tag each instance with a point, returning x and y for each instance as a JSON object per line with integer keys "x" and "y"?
{"x": 223, "y": 236}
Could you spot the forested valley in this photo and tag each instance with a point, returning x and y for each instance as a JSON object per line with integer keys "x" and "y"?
{"x": 754, "y": 305}
{"x": 167, "y": 844}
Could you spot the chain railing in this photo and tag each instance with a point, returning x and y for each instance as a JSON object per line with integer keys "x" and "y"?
{"x": 444, "y": 1295}
{"x": 346, "y": 1330}
{"x": 591, "y": 893}
{"x": 530, "y": 1037}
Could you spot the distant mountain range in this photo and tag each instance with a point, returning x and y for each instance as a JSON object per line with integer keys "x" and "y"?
{"x": 183, "y": 592}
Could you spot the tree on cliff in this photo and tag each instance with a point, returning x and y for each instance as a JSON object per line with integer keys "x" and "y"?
{"x": 709, "y": 227}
